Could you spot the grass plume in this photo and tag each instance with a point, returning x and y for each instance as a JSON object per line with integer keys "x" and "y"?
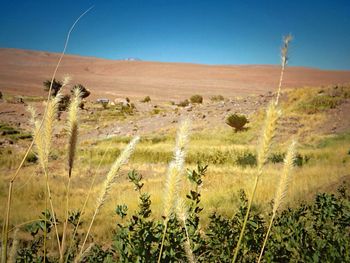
{"x": 13, "y": 178}
{"x": 108, "y": 183}
{"x": 43, "y": 140}
{"x": 174, "y": 176}
{"x": 281, "y": 189}
{"x": 272, "y": 115}
{"x": 181, "y": 212}
{"x": 73, "y": 124}
{"x": 284, "y": 60}
{"x": 13, "y": 252}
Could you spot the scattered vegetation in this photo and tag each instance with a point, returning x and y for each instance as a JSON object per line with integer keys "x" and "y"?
{"x": 12, "y": 133}
{"x": 217, "y": 98}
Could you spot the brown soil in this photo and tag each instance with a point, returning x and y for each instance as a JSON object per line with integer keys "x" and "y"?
{"x": 22, "y": 73}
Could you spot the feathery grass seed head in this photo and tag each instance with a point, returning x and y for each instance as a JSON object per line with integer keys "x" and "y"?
{"x": 284, "y": 50}
{"x": 285, "y": 177}
{"x": 113, "y": 172}
{"x": 73, "y": 128}
{"x": 175, "y": 169}
{"x": 272, "y": 115}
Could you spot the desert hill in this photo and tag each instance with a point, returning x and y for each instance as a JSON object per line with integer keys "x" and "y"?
{"x": 22, "y": 73}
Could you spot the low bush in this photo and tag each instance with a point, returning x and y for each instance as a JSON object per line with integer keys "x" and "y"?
{"x": 196, "y": 99}
{"x": 237, "y": 121}
{"x": 146, "y": 99}
{"x": 64, "y": 103}
{"x": 319, "y": 103}
{"x": 183, "y": 103}
{"x": 31, "y": 158}
{"x": 216, "y": 98}
{"x": 246, "y": 159}
{"x": 276, "y": 157}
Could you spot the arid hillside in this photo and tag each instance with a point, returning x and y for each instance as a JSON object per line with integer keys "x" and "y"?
{"x": 22, "y": 73}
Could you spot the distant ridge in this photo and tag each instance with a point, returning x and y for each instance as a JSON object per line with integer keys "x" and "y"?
{"x": 132, "y": 59}
{"x": 23, "y": 71}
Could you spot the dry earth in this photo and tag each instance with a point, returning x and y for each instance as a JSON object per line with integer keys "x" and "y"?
{"x": 22, "y": 73}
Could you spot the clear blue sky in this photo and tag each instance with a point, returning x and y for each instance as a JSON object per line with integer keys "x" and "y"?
{"x": 198, "y": 31}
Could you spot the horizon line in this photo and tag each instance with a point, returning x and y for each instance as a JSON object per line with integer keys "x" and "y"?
{"x": 137, "y": 59}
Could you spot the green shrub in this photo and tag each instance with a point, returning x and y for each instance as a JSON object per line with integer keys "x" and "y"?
{"x": 84, "y": 91}
{"x": 184, "y": 103}
{"x": 276, "y": 157}
{"x": 216, "y": 98}
{"x": 198, "y": 99}
{"x": 146, "y": 99}
{"x": 300, "y": 160}
{"x": 246, "y": 159}
{"x": 56, "y": 86}
{"x": 236, "y": 121}
{"x": 319, "y": 103}
{"x": 31, "y": 158}
{"x": 64, "y": 103}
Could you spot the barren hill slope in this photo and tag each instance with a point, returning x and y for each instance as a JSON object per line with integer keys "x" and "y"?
{"x": 22, "y": 73}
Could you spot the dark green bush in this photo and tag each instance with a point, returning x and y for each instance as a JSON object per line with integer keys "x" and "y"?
{"x": 56, "y": 86}
{"x": 183, "y": 103}
{"x": 319, "y": 103}
{"x": 64, "y": 103}
{"x": 236, "y": 121}
{"x": 84, "y": 91}
{"x": 146, "y": 99}
{"x": 196, "y": 99}
{"x": 300, "y": 160}
{"x": 216, "y": 98}
{"x": 31, "y": 158}
{"x": 246, "y": 159}
{"x": 276, "y": 157}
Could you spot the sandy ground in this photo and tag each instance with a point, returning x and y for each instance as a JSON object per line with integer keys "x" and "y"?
{"x": 22, "y": 73}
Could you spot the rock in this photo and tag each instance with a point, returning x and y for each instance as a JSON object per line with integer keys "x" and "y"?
{"x": 189, "y": 108}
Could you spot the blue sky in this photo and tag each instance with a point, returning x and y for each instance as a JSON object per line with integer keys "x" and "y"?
{"x": 196, "y": 31}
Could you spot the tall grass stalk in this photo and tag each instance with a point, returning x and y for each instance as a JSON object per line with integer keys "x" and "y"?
{"x": 272, "y": 116}
{"x": 15, "y": 175}
{"x": 284, "y": 57}
{"x": 42, "y": 139}
{"x": 281, "y": 190}
{"x": 174, "y": 176}
{"x": 82, "y": 210}
{"x": 108, "y": 183}
{"x": 13, "y": 252}
{"x": 181, "y": 212}
{"x": 72, "y": 145}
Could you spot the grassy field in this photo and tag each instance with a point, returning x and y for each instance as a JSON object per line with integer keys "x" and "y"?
{"x": 324, "y": 162}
